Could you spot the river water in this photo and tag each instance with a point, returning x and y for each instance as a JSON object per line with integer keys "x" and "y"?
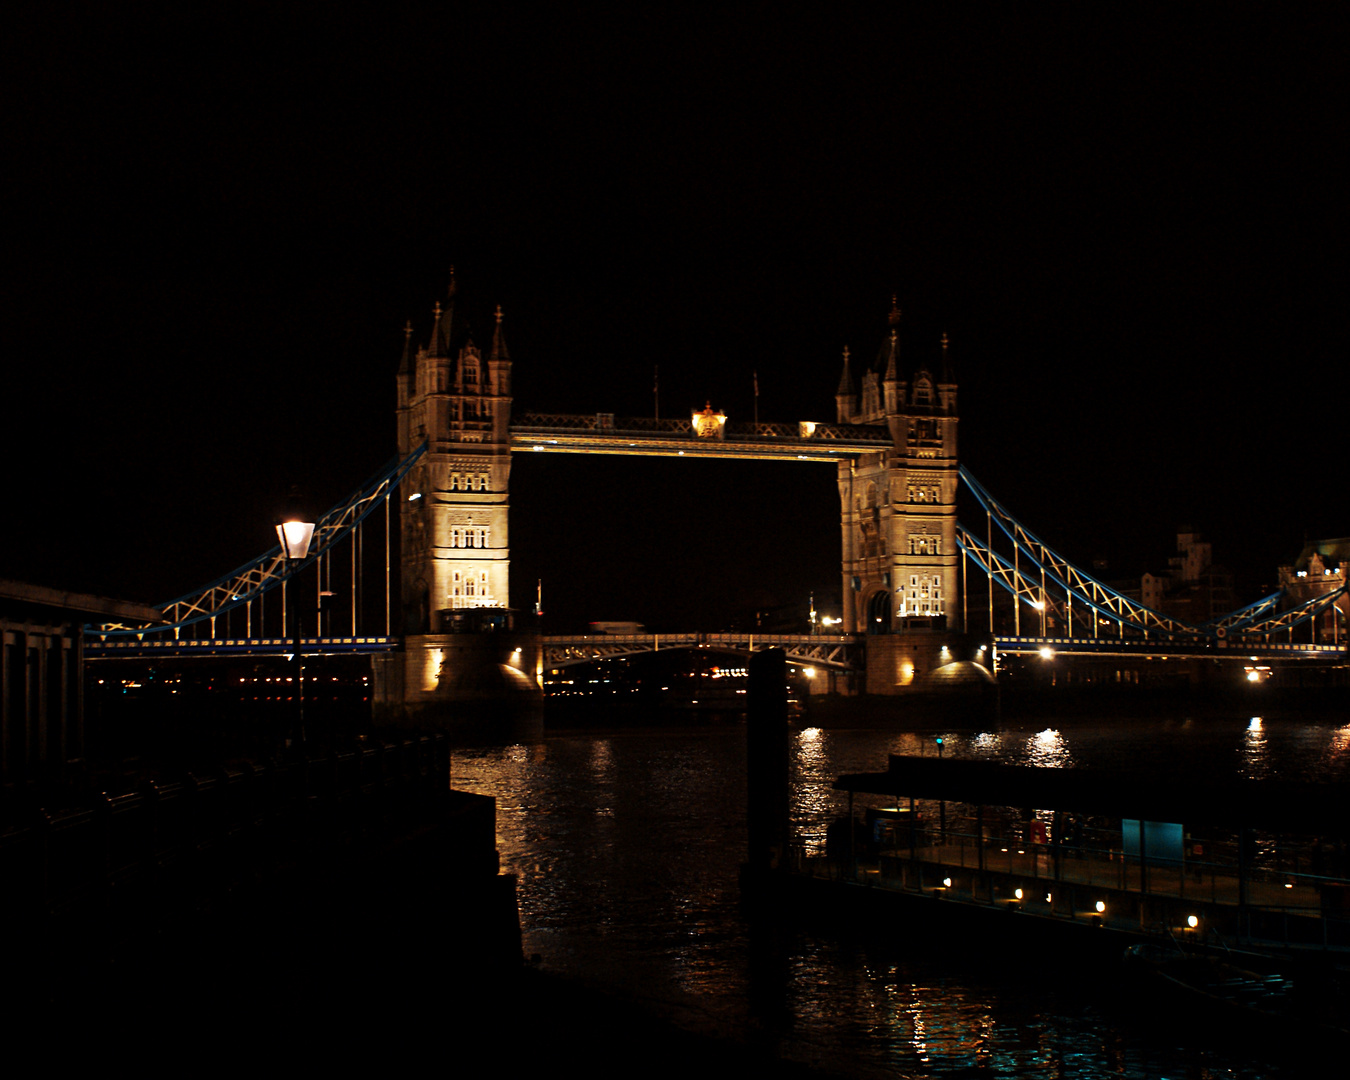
{"x": 627, "y": 845}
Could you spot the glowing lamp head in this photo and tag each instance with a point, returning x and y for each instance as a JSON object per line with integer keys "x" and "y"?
{"x": 295, "y": 537}
{"x": 1101, "y": 906}
{"x": 1192, "y": 921}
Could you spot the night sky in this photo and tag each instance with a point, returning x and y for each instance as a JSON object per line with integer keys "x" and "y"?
{"x": 1131, "y": 229}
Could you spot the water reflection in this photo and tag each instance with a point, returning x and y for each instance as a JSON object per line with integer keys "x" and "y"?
{"x": 1047, "y": 749}
{"x": 814, "y": 802}
{"x": 1253, "y": 751}
{"x": 628, "y": 847}
{"x": 1340, "y": 741}
{"x": 986, "y": 744}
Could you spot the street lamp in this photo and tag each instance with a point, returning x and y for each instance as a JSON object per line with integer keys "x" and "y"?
{"x": 295, "y": 537}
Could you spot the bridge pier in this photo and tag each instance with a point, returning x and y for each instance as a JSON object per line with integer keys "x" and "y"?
{"x": 482, "y": 685}
{"x": 918, "y": 661}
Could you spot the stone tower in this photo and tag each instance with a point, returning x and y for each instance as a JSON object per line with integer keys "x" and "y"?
{"x": 455, "y": 543}
{"x": 464, "y": 665}
{"x": 898, "y": 506}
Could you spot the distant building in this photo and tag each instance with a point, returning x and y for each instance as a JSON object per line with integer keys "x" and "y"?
{"x": 1194, "y": 589}
{"x": 1320, "y": 568}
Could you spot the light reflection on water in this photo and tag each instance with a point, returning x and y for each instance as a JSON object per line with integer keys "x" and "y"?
{"x": 1253, "y": 751}
{"x": 1047, "y": 749}
{"x": 627, "y": 849}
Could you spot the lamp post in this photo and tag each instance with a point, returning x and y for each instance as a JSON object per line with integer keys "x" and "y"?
{"x": 295, "y": 537}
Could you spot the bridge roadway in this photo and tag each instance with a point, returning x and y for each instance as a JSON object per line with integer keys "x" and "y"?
{"x": 208, "y": 647}
{"x": 1168, "y": 650}
{"x": 839, "y": 651}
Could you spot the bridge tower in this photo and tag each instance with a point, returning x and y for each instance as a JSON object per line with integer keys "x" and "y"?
{"x": 898, "y": 506}
{"x": 455, "y": 543}
{"x": 463, "y": 662}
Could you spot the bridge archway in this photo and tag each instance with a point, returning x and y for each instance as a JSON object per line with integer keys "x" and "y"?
{"x": 879, "y": 612}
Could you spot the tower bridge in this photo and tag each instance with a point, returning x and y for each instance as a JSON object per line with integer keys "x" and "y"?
{"x": 918, "y": 587}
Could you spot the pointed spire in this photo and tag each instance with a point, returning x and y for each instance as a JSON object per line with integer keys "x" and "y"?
{"x": 498, "y": 350}
{"x": 892, "y": 357}
{"x": 405, "y": 361}
{"x": 893, "y": 317}
{"x": 433, "y": 346}
{"x": 441, "y": 344}
{"x": 946, "y": 363}
{"x": 845, "y": 380}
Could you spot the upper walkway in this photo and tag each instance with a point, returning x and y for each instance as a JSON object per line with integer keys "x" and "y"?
{"x": 701, "y": 435}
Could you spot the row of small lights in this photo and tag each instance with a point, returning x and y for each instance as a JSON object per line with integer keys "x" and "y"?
{"x": 1192, "y": 921}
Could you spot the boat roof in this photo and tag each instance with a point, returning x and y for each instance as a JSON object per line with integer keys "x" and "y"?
{"x": 1308, "y": 808}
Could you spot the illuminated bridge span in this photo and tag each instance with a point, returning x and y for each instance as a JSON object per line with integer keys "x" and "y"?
{"x": 705, "y": 434}
{"x": 1058, "y": 607}
{"x": 1055, "y": 605}
{"x": 839, "y": 651}
{"x": 907, "y": 564}
{"x": 229, "y": 615}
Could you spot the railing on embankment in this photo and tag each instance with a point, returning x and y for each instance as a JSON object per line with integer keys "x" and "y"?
{"x": 1203, "y": 902}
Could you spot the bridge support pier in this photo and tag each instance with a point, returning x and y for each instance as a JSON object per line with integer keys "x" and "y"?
{"x": 918, "y": 661}
{"x": 472, "y": 685}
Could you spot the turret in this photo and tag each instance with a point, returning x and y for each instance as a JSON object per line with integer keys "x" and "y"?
{"x": 946, "y": 382}
{"x": 846, "y": 397}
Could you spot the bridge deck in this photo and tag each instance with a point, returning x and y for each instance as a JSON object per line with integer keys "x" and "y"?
{"x": 1168, "y": 650}
{"x": 821, "y": 650}
{"x": 206, "y": 647}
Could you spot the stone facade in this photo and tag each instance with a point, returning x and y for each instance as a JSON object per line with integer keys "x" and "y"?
{"x": 898, "y": 506}
{"x": 455, "y": 554}
{"x": 463, "y": 662}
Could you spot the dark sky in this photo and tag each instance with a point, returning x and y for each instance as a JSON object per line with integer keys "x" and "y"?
{"x": 217, "y": 223}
